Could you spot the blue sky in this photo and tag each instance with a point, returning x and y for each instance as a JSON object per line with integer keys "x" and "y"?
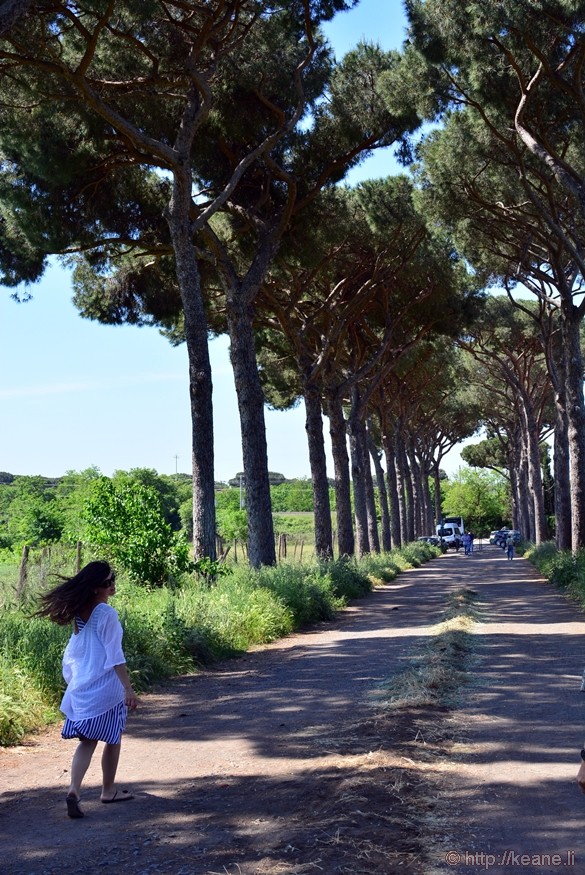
{"x": 75, "y": 393}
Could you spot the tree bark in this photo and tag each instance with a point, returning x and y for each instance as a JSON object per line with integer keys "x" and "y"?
{"x": 356, "y": 432}
{"x": 576, "y": 424}
{"x": 402, "y": 477}
{"x": 200, "y": 383}
{"x": 438, "y": 500}
{"x": 532, "y": 437}
{"x": 382, "y": 495}
{"x": 388, "y": 446}
{"x": 261, "y": 548}
{"x": 337, "y": 431}
{"x": 371, "y": 509}
{"x": 428, "y": 499}
{"x": 417, "y": 492}
{"x": 318, "y": 463}
{"x": 524, "y": 498}
{"x": 562, "y": 480}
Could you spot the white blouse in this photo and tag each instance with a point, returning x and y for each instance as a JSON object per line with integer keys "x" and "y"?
{"x": 93, "y": 687}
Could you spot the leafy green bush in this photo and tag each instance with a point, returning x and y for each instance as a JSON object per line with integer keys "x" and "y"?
{"x": 543, "y": 557}
{"x": 126, "y": 519}
{"x": 231, "y": 519}
{"x": 36, "y": 646}
{"x": 154, "y": 633}
{"x": 301, "y": 524}
{"x": 294, "y": 495}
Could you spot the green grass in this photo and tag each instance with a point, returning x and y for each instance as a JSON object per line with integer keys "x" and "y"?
{"x": 171, "y": 631}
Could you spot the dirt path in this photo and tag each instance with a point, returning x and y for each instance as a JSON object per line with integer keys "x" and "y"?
{"x": 276, "y": 764}
{"x": 512, "y": 804}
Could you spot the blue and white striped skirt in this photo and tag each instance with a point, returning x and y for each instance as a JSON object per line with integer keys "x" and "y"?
{"x": 106, "y": 727}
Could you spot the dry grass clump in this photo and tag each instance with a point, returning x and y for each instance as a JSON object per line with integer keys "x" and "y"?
{"x": 438, "y": 672}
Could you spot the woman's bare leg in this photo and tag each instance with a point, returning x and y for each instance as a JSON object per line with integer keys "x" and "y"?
{"x": 110, "y": 759}
{"x": 80, "y": 764}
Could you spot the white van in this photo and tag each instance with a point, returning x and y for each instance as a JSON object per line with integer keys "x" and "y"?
{"x": 450, "y": 534}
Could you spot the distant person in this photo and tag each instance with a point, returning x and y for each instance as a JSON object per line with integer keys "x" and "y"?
{"x": 471, "y": 540}
{"x": 466, "y": 539}
{"x": 510, "y": 547}
{"x": 99, "y": 691}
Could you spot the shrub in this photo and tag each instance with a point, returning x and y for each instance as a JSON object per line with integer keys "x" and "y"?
{"x": 349, "y": 579}
{"x": 35, "y": 646}
{"x": 127, "y": 520}
{"x": 560, "y": 567}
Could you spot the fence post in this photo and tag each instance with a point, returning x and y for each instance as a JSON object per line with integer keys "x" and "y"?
{"x": 22, "y": 573}
{"x": 78, "y": 558}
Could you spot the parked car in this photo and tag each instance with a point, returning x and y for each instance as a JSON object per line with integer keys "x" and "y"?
{"x": 493, "y": 536}
{"x": 430, "y": 539}
{"x": 502, "y": 536}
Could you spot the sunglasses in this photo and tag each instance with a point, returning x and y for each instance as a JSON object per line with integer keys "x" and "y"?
{"x": 111, "y": 579}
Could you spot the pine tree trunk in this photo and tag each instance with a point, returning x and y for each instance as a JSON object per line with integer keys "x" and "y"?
{"x": 532, "y": 437}
{"x": 200, "y": 385}
{"x": 337, "y": 431}
{"x": 438, "y": 501}
{"x": 388, "y": 445}
{"x": 417, "y": 492}
{"x": 562, "y": 480}
{"x": 576, "y": 423}
{"x": 428, "y": 500}
{"x": 382, "y": 496}
{"x": 261, "y": 548}
{"x": 524, "y": 488}
{"x": 561, "y": 456}
{"x": 318, "y": 463}
{"x": 371, "y": 509}
{"x": 356, "y": 451}
{"x": 401, "y": 479}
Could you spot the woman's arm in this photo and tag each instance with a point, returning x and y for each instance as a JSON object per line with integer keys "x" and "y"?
{"x": 130, "y": 698}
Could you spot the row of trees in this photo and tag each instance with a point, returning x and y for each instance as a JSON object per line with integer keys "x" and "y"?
{"x": 176, "y": 144}
{"x": 505, "y": 177}
{"x": 187, "y": 158}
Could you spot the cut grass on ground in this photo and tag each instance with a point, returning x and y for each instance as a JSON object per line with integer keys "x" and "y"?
{"x": 439, "y": 671}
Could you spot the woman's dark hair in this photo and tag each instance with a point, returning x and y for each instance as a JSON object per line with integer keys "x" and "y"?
{"x": 65, "y": 601}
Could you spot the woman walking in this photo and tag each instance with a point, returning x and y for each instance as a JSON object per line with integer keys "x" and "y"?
{"x": 99, "y": 692}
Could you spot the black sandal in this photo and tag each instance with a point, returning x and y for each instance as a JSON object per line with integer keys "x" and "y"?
{"x": 73, "y": 809}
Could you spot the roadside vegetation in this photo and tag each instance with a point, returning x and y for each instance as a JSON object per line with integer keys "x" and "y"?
{"x": 562, "y": 568}
{"x": 173, "y": 629}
